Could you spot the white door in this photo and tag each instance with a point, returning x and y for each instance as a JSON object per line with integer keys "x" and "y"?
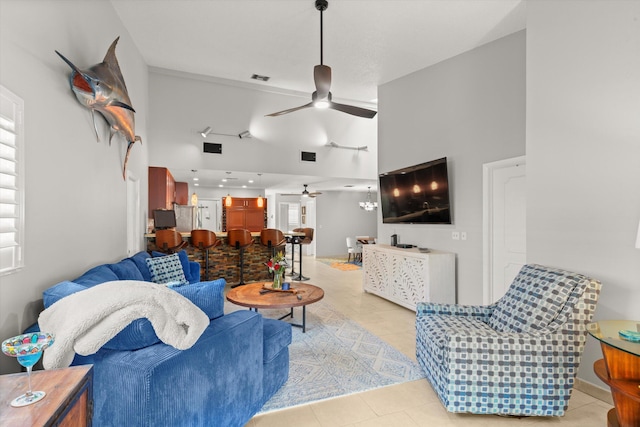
{"x": 134, "y": 215}
{"x": 505, "y": 242}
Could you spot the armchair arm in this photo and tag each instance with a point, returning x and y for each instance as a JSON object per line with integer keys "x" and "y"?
{"x": 481, "y": 312}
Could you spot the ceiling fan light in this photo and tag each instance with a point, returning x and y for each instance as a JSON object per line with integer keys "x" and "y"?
{"x": 321, "y": 103}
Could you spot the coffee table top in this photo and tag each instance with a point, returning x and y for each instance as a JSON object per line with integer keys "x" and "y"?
{"x": 607, "y": 331}
{"x": 249, "y": 296}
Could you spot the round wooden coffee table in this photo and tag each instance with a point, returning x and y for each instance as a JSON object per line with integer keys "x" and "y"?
{"x": 255, "y": 296}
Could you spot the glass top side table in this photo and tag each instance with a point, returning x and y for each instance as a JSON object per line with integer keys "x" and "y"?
{"x": 619, "y": 369}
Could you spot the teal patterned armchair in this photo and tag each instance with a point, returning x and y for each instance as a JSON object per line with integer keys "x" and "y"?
{"x": 518, "y": 356}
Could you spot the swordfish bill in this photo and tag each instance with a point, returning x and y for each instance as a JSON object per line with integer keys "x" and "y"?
{"x": 101, "y": 89}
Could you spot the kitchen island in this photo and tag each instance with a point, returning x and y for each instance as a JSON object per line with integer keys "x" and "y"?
{"x": 224, "y": 260}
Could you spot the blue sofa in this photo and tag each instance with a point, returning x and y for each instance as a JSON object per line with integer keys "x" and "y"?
{"x": 237, "y": 364}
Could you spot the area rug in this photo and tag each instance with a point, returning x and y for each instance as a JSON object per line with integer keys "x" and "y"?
{"x": 337, "y": 357}
{"x": 340, "y": 264}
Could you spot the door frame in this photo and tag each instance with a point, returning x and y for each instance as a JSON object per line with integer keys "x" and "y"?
{"x": 488, "y": 170}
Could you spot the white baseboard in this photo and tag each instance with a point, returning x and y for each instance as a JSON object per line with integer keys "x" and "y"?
{"x": 594, "y": 391}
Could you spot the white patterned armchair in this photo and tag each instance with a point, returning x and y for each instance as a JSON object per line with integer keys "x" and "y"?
{"x": 518, "y": 356}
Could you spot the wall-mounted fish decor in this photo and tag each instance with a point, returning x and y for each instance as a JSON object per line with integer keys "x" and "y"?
{"x": 101, "y": 88}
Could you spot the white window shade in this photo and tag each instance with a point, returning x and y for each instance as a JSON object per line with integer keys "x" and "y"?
{"x": 11, "y": 181}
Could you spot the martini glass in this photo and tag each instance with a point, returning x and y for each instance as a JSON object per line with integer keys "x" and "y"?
{"x": 27, "y": 348}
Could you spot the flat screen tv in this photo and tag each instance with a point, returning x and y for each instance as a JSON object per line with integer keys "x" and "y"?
{"x": 416, "y": 195}
{"x": 163, "y": 219}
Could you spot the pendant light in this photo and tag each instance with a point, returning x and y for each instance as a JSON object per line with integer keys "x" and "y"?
{"x": 260, "y": 199}
{"x": 369, "y": 205}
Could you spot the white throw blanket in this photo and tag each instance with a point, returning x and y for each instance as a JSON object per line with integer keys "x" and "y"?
{"x": 83, "y": 322}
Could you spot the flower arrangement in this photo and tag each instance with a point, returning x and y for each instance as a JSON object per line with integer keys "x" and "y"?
{"x": 277, "y": 264}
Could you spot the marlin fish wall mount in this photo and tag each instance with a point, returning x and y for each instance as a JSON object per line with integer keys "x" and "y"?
{"x": 101, "y": 88}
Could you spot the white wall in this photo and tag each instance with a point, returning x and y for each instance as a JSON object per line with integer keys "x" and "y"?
{"x": 583, "y": 148}
{"x": 75, "y": 193}
{"x": 470, "y": 109}
{"x": 182, "y": 105}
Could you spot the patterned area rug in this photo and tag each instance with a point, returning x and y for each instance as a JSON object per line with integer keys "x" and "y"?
{"x": 341, "y": 264}
{"x": 336, "y": 357}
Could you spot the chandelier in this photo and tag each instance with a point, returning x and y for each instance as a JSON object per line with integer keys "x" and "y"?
{"x": 369, "y": 205}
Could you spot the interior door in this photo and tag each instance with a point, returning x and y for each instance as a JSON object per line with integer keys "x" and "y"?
{"x": 504, "y": 225}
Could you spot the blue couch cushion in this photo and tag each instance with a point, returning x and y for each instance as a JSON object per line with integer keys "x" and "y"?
{"x": 96, "y": 275}
{"x": 140, "y": 260}
{"x": 184, "y": 260}
{"x": 277, "y": 335}
{"x": 127, "y": 270}
{"x": 59, "y": 291}
{"x": 207, "y": 296}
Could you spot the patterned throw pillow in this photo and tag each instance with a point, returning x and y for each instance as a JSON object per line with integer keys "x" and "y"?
{"x": 166, "y": 270}
{"x": 533, "y": 300}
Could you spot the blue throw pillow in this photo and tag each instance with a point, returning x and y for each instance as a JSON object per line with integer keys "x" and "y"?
{"x": 96, "y": 275}
{"x": 184, "y": 260}
{"x": 167, "y": 270}
{"x": 207, "y": 296}
{"x": 59, "y": 291}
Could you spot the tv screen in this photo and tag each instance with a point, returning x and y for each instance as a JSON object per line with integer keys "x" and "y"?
{"x": 163, "y": 219}
{"x": 416, "y": 195}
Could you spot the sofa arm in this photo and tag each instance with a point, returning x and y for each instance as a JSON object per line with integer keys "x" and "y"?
{"x": 215, "y": 383}
{"x": 207, "y": 296}
{"x": 481, "y": 312}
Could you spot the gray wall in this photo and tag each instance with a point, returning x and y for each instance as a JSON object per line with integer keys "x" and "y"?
{"x": 75, "y": 195}
{"x": 470, "y": 109}
{"x": 583, "y": 148}
{"x": 339, "y": 216}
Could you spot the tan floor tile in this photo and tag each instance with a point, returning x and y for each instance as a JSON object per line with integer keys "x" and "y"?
{"x": 301, "y": 416}
{"x": 342, "y": 411}
{"x": 397, "y": 419}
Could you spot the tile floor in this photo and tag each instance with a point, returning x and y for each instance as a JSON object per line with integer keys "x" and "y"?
{"x": 404, "y": 405}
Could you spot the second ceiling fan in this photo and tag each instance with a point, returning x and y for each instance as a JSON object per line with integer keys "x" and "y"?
{"x": 321, "y": 98}
{"x": 305, "y": 193}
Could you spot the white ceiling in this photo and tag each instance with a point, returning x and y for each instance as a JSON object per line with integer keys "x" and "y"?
{"x": 366, "y": 43}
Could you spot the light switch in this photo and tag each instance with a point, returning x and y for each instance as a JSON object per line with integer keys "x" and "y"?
{"x": 463, "y": 235}
{"x": 455, "y": 235}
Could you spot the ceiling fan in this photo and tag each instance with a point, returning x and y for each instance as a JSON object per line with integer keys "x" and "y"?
{"x": 305, "y": 193}
{"x": 321, "y": 98}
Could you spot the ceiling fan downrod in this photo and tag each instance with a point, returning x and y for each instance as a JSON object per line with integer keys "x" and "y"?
{"x": 321, "y": 5}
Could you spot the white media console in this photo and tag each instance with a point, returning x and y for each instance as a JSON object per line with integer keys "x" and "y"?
{"x": 408, "y": 276}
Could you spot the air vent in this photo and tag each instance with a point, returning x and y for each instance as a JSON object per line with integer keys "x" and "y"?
{"x": 307, "y": 156}
{"x": 261, "y": 78}
{"x": 210, "y": 147}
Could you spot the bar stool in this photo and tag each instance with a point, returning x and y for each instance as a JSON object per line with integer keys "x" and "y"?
{"x": 204, "y": 240}
{"x": 169, "y": 241}
{"x": 272, "y": 238}
{"x": 294, "y": 240}
{"x": 308, "y": 237}
{"x": 240, "y": 239}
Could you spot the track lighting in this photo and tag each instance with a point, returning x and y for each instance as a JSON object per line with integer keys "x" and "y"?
{"x": 206, "y": 131}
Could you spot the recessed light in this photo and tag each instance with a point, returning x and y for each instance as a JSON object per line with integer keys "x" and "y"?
{"x": 196, "y": 185}
{"x": 250, "y": 181}
{"x": 220, "y": 185}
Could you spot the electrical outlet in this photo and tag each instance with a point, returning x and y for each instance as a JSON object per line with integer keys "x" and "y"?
{"x": 455, "y": 235}
{"x": 463, "y": 235}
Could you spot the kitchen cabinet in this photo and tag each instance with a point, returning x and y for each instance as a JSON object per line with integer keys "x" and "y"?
{"x": 182, "y": 193}
{"x": 244, "y": 213}
{"x": 162, "y": 189}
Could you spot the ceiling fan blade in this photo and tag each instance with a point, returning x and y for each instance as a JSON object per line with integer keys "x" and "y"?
{"x": 290, "y": 110}
{"x": 355, "y": 111}
{"x": 322, "y": 77}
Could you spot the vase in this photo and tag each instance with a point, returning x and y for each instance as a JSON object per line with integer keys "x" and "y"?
{"x": 277, "y": 279}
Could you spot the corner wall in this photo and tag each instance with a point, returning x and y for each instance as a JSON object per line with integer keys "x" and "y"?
{"x": 470, "y": 109}
{"x": 75, "y": 195}
{"x": 583, "y": 149}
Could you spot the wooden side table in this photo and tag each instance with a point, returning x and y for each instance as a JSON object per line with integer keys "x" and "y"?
{"x": 68, "y": 403}
{"x": 620, "y": 370}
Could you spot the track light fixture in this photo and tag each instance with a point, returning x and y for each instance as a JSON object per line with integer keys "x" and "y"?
{"x": 206, "y": 131}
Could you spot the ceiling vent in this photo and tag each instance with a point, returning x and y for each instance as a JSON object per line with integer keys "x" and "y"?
{"x": 259, "y": 77}
{"x": 210, "y": 147}
{"x": 307, "y": 156}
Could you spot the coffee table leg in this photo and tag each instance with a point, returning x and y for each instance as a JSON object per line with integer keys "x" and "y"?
{"x": 304, "y": 319}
